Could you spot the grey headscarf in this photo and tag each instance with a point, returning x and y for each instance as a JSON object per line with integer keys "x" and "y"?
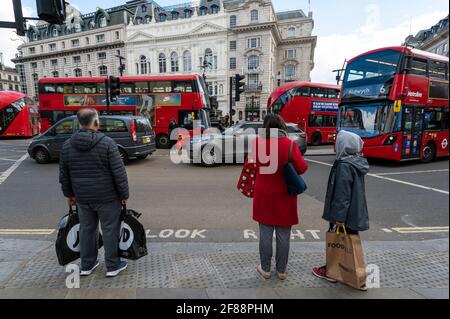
{"x": 348, "y": 144}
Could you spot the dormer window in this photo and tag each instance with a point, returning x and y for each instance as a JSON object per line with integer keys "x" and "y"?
{"x": 35, "y": 37}
{"x": 214, "y": 9}
{"x": 103, "y": 22}
{"x": 148, "y": 19}
{"x": 203, "y": 11}
{"x": 138, "y": 20}
{"x": 162, "y": 17}
{"x": 174, "y": 15}
{"x": 77, "y": 27}
{"x": 144, "y": 8}
{"x": 92, "y": 24}
{"x": 187, "y": 13}
{"x": 55, "y": 32}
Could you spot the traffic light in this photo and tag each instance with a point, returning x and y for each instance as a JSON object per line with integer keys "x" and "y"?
{"x": 51, "y": 11}
{"x": 114, "y": 88}
{"x": 239, "y": 86}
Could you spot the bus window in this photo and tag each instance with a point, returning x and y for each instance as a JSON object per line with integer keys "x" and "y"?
{"x": 435, "y": 120}
{"x": 438, "y": 70}
{"x": 68, "y": 88}
{"x": 330, "y": 121}
{"x": 333, "y": 94}
{"x": 315, "y": 120}
{"x": 302, "y": 91}
{"x": 142, "y": 87}
{"x": 161, "y": 87}
{"x": 48, "y": 89}
{"x": 318, "y": 92}
{"x": 417, "y": 66}
{"x": 183, "y": 87}
{"x": 126, "y": 88}
{"x": 59, "y": 88}
{"x": 101, "y": 88}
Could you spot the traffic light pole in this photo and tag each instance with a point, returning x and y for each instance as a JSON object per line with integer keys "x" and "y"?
{"x": 231, "y": 99}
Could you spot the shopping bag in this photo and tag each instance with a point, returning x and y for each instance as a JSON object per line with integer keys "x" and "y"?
{"x": 246, "y": 182}
{"x": 133, "y": 240}
{"x": 345, "y": 258}
{"x": 67, "y": 243}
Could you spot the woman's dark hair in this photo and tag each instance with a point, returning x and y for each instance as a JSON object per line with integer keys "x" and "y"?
{"x": 274, "y": 121}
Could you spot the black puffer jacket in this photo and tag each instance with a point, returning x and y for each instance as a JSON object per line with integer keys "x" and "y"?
{"x": 91, "y": 169}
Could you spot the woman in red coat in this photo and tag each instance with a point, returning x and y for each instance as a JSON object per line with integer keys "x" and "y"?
{"x": 273, "y": 208}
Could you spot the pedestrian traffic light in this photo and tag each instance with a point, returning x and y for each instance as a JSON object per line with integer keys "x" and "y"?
{"x": 239, "y": 86}
{"x": 51, "y": 11}
{"x": 114, "y": 88}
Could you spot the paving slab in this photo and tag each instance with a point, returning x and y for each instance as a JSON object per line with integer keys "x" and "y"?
{"x": 256, "y": 293}
{"x": 95, "y": 293}
{"x": 33, "y": 293}
{"x": 170, "y": 293}
{"x": 312, "y": 293}
{"x": 433, "y": 293}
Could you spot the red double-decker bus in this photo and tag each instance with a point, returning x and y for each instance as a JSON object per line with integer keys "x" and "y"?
{"x": 396, "y": 99}
{"x": 159, "y": 98}
{"x": 313, "y": 106}
{"x": 18, "y": 115}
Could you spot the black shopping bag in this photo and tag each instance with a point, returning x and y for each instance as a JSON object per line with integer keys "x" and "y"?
{"x": 133, "y": 241}
{"x": 68, "y": 240}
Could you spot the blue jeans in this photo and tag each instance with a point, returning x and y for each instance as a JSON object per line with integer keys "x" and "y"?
{"x": 283, "y": 239}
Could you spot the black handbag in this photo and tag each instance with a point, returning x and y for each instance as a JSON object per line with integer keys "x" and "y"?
{"x": 133, "y": 240}
{"x": 295, "y": 183}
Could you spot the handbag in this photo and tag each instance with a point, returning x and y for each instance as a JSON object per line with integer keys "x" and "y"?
{"x": 133, "y": 240}
{"x": 295, "y": 183}
{"x": 246, "y": 182}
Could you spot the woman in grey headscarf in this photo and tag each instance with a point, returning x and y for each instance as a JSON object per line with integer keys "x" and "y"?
{"x": 345, "y": 201}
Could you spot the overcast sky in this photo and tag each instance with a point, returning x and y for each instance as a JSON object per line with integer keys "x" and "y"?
{"x": 344, "y": 27}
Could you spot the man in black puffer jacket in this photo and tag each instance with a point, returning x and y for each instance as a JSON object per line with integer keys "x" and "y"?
{"x": 93, "y": 176}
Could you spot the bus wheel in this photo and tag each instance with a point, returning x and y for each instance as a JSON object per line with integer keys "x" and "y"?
{"x": 41, "y": 155}
{"x": 123, "y": 156}
{"x": 163, "y": 141}
{"x": 429, "y": 153}
{"x": 210, "y": 156}
{"x": 316, "y": 139}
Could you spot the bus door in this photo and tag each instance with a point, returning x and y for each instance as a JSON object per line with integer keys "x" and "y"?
{"x": 412, "y": 132}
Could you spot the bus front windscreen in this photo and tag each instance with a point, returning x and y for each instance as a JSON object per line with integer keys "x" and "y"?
{"x": 369, "y": 120}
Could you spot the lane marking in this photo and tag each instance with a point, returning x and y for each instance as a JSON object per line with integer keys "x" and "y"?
{"x": 391, "y": 179}
{"x": 13, "y": 167}
{"x": 8, "y": 159}
{"x": 413, "y": 230}
{"x": 26, "y": 231}
{"x": 414, "y": 172}
{"x": 386, "y": 230}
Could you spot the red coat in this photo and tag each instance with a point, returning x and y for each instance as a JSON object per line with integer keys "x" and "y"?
{"x": 272, "y": 204}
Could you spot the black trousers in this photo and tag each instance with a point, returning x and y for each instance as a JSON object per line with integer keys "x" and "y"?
{"x": 349, "y": 230}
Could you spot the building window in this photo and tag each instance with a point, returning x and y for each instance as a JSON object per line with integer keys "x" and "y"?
{"x": 144, "y": 8}
{"x": 91, "y": 24}
{"x": 254, "y": 43}
{"x": 117, "y": 35}
{"x": 253, "y": 62}
{"x": 90, "y": 74}
{"x": 162, "y": 63}
{"x": 87, "y": 41}
{"x": 291, "y": 32}
{"x": 54, "y": 62}
{"x": 103, "y": 70}
{"x": 100, "y": 38}
{"x": 214, "y": 9}
{"x": 55, "y": 32}
{"x": 52, "y": 46}
{"x": 101, "y": 56}
{"x": 174, "y": 62}
{"x": 254, "y": 15}
{"x": 75, "y": 43}
{"x": 33, "y": 65}
{"x": 203, "y": 11}
{"x": 233, "y": 45}
{"x": 78, "y": 73}
{"x": 174, "y": 15}
{"x": 55, "y": 74}
{"x": 63, "y": 44}
{"x": 208, "y": 58}
{"x": 35, "y": 83}
{"x": 253, "y": 81}
{"x": 32, "y": 50}
{"x": 148, "y": 19}
{"x": 103, "y": 22}
{"x": 35, "y": 36}
{"x": 232, "y": 63}
{"x": 77, "y": 27}
{"x": 233, "y": 21}
{"x": 187, "y": 13}
{"x": 88, "y": 58}
{"x": 187, "y": 61}
{"x": 289, "y": 72}
{"x": 291, "y": 54}
{"x": 138, "y": 20}
{"x": 162, "y": 17}
{"x": 77, "y": 59}
{"x": 143, "y": 64}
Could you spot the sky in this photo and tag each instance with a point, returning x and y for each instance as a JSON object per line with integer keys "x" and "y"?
{"x": 344, "y": 28}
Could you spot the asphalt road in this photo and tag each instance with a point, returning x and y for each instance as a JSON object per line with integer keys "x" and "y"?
{"x": 407, "y": 201}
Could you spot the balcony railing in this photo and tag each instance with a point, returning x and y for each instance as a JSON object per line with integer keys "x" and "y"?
{"x": 253, "y": 88}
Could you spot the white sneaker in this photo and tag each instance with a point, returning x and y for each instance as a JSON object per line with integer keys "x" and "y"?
{"x": 90, "y": 271}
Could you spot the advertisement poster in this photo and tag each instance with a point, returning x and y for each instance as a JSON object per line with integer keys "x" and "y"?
{"x": 319, "y": 106}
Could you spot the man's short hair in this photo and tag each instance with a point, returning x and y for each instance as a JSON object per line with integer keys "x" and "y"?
{"x": 86, "y": 117}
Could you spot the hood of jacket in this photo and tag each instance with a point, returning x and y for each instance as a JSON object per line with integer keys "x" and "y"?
{"x": 85, "y": 140}
{"x": 358, "y": 162}
{"x": 348, "y": 144}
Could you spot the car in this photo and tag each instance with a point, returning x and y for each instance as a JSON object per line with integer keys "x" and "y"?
{"x": 206, "y": 149}
{"x": 134, "y": 136}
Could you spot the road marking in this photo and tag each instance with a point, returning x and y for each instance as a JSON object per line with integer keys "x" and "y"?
{"x": 414, "y": 230}
{"x": 8, "y": 159}
{"x": 386, "y": 230}
{"x": 391, "y": 179}
{"x": 414, "y": 172}
{"x": 26, "y": 231}
{"x": 10, "y": 170}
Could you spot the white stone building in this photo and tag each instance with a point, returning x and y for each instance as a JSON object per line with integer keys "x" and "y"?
{"x": 234, "y": 36}
{"x": 9, "y": 78}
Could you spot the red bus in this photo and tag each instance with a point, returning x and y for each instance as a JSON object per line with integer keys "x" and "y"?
{"x": 313, "y": 106}
{"x": 18, "y": 115}
{"x": 396, "y": 99}
{"x": 160, "y": 98}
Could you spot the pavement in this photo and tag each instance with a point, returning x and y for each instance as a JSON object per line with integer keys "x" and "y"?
{"x": 407, "y": 270}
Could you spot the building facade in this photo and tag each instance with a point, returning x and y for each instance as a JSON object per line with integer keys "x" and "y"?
{"x": 9, "y": 78}
{"x": 221, "y": 38}
{"x": 85, "y": 46}
{"x": 433, "y": 40}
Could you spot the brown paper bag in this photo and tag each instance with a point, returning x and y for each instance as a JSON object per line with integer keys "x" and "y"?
{"x": 345, "y": 259}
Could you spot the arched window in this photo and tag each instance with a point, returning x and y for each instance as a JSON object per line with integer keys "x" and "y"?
{"x": 187, "y": 61}
{"x": 144, "y": 8}
{"x": 103, "y": 22}
{"x": 162, "y": 63}
{"x": 208, "y": 58}
{"x": 289, "y": 72}
{"x": 174, "y": 62}
{"x": 291, "y": 32}
{"x": 233, "y": 21}
{"x": 174, "y": 15}
{"x": 253, "y": 62}
{"x": 55, "y": 74}
{"x": 254, "y": 15}
{"x": 148, "y": 19}
{"x": 203, "y": 11}
{"x": 138, "y": 20}
{"x": 143, "y": 64}
{"x": 35, "y": 36}
{"x": 55, "y": 32}
{"x": 162, "y": 17}
{"x": 78, "y": 73}
{"x": 187, "y": 13}
{"x": 214, "y": 9}
{"x": 103, "y": 70}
